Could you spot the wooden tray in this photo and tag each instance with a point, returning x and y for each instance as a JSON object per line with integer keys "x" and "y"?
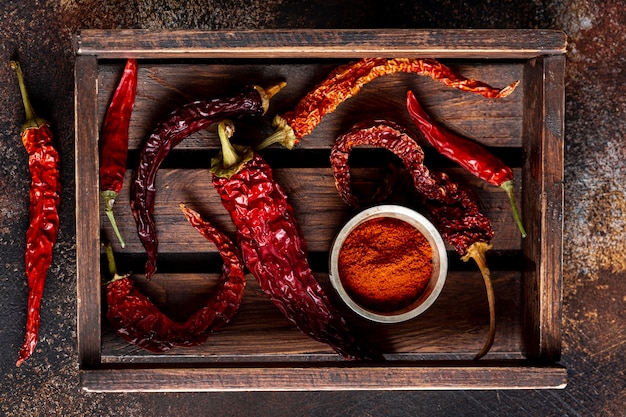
{"x": 260, "y": 349}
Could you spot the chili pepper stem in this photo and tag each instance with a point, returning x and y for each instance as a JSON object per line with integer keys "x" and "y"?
{"x": 283, "y": 135}
{"x": 32, "y": 120}
{"x": 509, "y": 188}
{"x": 232, "y": 157}
{"x": 109, "y": 197}
{"x": 269, "y": 92}
{"x": 112, "y": 266}
{"x": 477, "y": 253}
{"x": 225, "y": 130}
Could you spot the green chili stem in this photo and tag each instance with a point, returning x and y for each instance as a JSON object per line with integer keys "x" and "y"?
{"x": 232, "y": 157}
{"x": 109, "y": 197}
{"x": 509, "y": 188}
{"x": 111, "y": 264}
{"x": 31, "y": 117}
{"x": 225, "y": 130}
{"x": 283, "y": 135}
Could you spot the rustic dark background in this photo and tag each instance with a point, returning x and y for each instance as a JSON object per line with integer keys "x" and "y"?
{"x": 39, "y": 33}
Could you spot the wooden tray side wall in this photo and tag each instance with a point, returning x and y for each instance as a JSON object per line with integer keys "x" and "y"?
{"x": 87, "y": 201}
{"x": 543, "y": 175}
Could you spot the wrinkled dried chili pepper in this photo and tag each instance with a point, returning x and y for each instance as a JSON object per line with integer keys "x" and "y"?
{"x": 136, "y": 319}
{"x": 45, "y": 196}
{"x": 181, "y": 123}
{"x": 347, "y": 80}
{"x": 274, "y": 249}
{"x": 114, "y": 141}
{"x": 467, "y": 153}
{"x": 454, "y": 210}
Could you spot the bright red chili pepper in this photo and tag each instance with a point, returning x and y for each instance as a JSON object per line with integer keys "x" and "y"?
{"x": 454, "y": 210}
{"x": 136, "y": 319}
{"x": 45, "y": 197}
{"x": 182, "y": 122}
{"x": 467, "y": 153}
{"x": 274, "y": 249}
{"x": 114, "y": 141}
{"x": 347, "y": 80}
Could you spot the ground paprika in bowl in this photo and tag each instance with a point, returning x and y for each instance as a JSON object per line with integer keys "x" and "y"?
{"x": 388, "y": 264}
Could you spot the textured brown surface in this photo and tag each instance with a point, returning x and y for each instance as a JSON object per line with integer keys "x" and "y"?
{"x": 594, "y": 339}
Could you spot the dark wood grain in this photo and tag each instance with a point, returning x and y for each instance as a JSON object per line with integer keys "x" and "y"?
{"x": 322, "y": 43}
{"x": 167, "y": 86}
{"x": 87, "y": 226}
{"x": 319, "y": 209}
{"x": 543, "y": 206}
{"x": 447, "y": 375}
{"x": 453, "y": 328}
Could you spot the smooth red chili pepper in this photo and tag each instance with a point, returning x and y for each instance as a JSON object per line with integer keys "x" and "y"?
{"x": 45, "y": 197}
{"x": 136, "y": 319}
{"x": 181, "y": 123}
{"x": 274, "y": 249}
{"x": 347, "y": 80}
{"x": 467, "y": 153}
{"x": 454, "y": 210}
{"x": 114, "y": 141}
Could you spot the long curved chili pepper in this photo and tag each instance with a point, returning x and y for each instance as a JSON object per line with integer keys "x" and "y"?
{"x": 114, "y": 141}
{"x": 45, "y": 197}
{"x": 181, "y": 123}
{"x": 453, "y": 208}
{"x": 347, "y": 80}
{"x": 465, "y": 152}
{"x": 136, "y": 319}
{"x": 274, "y": 249}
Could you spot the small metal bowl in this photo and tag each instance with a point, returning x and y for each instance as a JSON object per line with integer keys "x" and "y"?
{"x": 439, "y": 263}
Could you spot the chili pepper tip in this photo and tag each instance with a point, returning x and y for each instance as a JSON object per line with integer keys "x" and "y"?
{"x": 507, "y": 90}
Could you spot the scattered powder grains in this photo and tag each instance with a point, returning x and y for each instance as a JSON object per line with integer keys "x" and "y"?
{"x": 385, "y": 264}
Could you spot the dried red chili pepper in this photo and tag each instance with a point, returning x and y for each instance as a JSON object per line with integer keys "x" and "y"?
{"x": 181, "y": 123}
{"x": 454, "y": 210}
{"x": 274, "y": 249}
{"x": 347, "y": 80}
{"x": 114, "y": 141}
{"x": 467, "y": 153}
{"x": 135, "y": 318}
{"x": 45, "y": 196}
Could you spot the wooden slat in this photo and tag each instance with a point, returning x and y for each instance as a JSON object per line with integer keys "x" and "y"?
{"x": 456, "y": 324}
{"x": 319, "y": 209}
{"x": 543, "y": 205}
{"x": 441, "y": 377}
{"x": 87, "y": 238}
{"x": 164, "y": 87}
{"x": 321, "y": 43}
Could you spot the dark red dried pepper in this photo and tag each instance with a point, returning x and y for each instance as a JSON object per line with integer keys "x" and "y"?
{"x": 181, "y": 123}
{"x": 274, "y": 249}
{"x": 135, "y": 318}
{"x": 114, "y": 141}
{"x": 467, "y": 153}
{"x": 45, "y": 197}
{"x": 453, "y": 209}
{"x": 347, "y": 80}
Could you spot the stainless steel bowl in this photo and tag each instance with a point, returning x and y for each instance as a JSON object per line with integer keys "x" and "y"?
{"x": 439, "y": 263}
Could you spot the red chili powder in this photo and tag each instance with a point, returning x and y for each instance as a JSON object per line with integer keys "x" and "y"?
{"x": 385, "y": 264}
